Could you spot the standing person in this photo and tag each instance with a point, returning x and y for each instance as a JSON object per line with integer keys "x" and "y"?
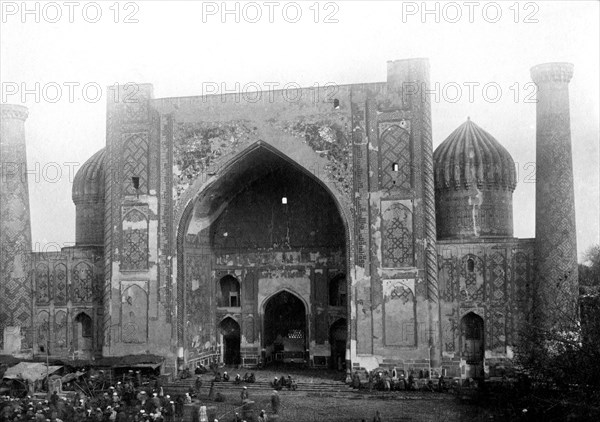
{"x": 211, "y": 392}
{"x": 377, "y": 417}
{"x": 202, "y": 414}
{"x": 411, "y": 381}
{"x": 179, "y": 401}
{"x": 275, "y": 402}
{"x": 244, "y": 394}
{"x": 196, "y": 414}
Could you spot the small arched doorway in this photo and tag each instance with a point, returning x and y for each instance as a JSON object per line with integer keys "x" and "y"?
{"x": 228, "y": 292}
{"x": 337, "y": 342}
{"x": 285, "y": 328}
{"x": 471, "y": 329}
{"x": 82, "y": 333}
{"x": 230, "y": 332}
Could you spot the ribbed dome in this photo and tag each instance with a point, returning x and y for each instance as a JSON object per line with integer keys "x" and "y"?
{"x": 472, "y": 157}
{"x": 88, "y": 184}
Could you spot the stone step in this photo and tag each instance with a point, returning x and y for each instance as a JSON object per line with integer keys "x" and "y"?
{"x": 175, "y": 390}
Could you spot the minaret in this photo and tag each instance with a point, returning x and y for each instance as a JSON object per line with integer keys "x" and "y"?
{"x": 555, "y": 235}
{"x": 15, "y": 233}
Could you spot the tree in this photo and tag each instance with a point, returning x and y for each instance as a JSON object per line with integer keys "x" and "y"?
{"x": 562, "y": 359}
{"x": 589, "y": 270}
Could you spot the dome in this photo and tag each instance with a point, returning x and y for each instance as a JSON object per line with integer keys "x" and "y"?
{"x": 474, "y": 181}
{"x": 472, "y": 157}
{"x": 88, "y": 184}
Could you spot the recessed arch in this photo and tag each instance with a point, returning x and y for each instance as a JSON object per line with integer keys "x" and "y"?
{"x": 209, "y": 197}
{"x": 231, "y": 336}
{"x": 337, "y": 341}
{"x": 83, "y": 330}
{"x": 472, "y": 343}
{"x": 285, "y": 321}
{"x": 288, "y": 289}
{"x": 228, "y": 292}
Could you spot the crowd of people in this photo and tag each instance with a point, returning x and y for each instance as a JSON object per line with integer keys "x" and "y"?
{"x": 283, "y": 382}
{"x": 385, "y": 380}
{"x": 121, "y": 403}
{"x": 131, "y": 400}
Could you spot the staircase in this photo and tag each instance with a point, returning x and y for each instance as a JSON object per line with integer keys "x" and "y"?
{"x": 306, "y": 385}
{"x": 263, "y": 385}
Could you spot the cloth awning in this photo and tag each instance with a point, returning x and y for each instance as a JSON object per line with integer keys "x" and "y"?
{"x": 30, "y": 371}
{"x": 72, "y": 376}
{"x": 140, "y": 365}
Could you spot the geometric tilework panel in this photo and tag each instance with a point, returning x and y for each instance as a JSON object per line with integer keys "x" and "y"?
{"x": 59, "y": 281}
{"x": 396, "y": 158}
{"x": 42, "y": 281}
{"x": 448, "y": 282}
{"x": 135, "y": 110}
{"x": 498, "y": 331}
{"x": 60, "y": 329}
{"x": 135, "y": 242}
{"x": 397, "y": 235}
{"x": 471, "y": 278}
{"x": 135, "y": 252}
{"x": 497, "y": 277}
{"x": 43, "y": 328}
{"x": 521, "y": 274}
{"x": 82, "y": 283}
{"x": 135, "y": 164}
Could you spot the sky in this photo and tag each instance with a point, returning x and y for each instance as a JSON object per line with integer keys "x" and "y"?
{"x": 58, "y": 58}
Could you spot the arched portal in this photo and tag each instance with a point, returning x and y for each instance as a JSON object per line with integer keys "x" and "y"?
{"x": 285, "y": 329}
{"x": 262, "y": 225}
{"x": 82, "y": 333}
{"x": 337, "y": 341}
{"x": 230, "y": 332}
{"x": 471, "y": 329}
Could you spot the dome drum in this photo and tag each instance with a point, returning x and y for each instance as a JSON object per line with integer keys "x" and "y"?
{"x": 474, "y": 213}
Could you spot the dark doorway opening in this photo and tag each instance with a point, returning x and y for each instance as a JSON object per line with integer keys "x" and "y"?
{"x": 285, "y": 329}
{"x": 230, "y": 330}
{"x": 471, "y": 327}
{"x": 337, "y": 341}
{"x": 82, "y": 335}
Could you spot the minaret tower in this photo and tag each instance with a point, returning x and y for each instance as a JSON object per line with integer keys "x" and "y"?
{"x": 15, "y": 233}
{"x": 555, "y": 235}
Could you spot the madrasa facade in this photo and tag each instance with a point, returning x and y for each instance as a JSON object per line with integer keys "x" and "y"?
{"x": 316, "y": 226}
